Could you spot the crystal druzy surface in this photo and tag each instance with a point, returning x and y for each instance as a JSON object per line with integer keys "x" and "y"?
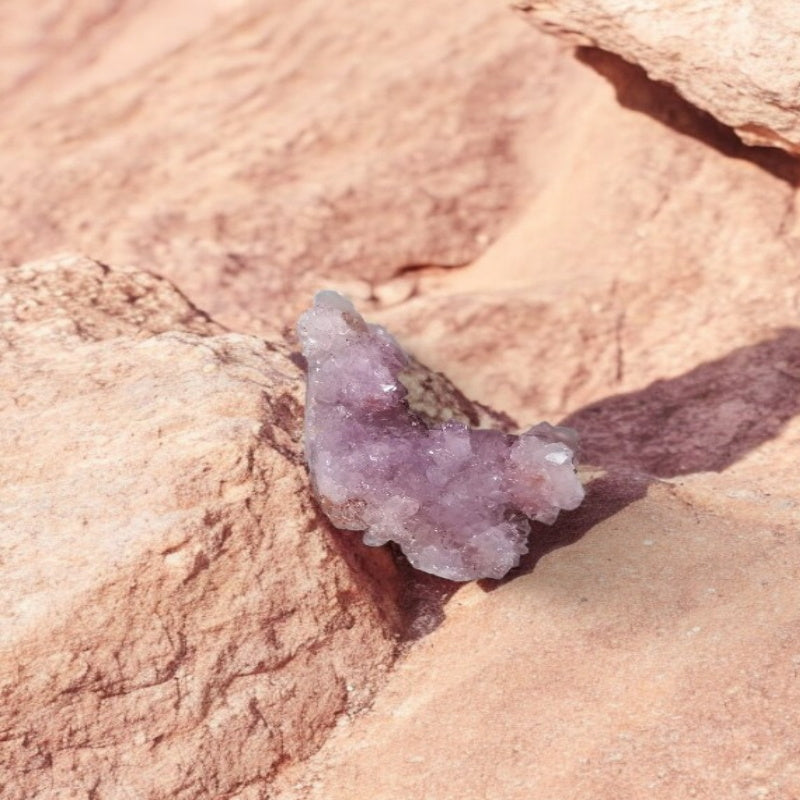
{"x": 456, "y": 500}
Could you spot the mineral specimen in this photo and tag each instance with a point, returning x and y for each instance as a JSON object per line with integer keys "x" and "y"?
{"x": 456, "y": 500}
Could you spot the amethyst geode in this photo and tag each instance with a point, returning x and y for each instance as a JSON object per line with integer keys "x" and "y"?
{"x": 456, "y": 500}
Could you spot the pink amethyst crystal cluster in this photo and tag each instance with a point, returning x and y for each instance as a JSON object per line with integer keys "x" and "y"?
{"x": 456, "y": 500}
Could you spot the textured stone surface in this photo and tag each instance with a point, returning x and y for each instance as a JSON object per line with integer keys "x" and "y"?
{"x": 735, "y": 60}
{"x": 177, "y": 621}
{"x": 247, "y": 148}
{"x": 457, "y": 500}
{"x": 675, "y": 248}
{"x": 664, "y": 251}
{"x": 657, "y": 657}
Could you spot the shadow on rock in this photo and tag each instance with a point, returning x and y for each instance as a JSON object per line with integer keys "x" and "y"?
{"x": 638, "y": 92}
{"x": 701, "y": 421}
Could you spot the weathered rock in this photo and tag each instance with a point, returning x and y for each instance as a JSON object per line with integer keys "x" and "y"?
{"x": 249, "y": 150}
{"x": 177, "y": 621}
{"x": 662, "y": 250}
{"x": 73, "y": 299}
{"x": 656, "y": 657}
{"x": 676, "y": 247}
{"x": 733, "y": 60}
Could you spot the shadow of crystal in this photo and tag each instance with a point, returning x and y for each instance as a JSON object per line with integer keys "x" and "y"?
{"x": 702, "y": 421}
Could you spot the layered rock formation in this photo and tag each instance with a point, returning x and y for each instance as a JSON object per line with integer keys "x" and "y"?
{"x": 566, "y": 238}
{"x": 735, "y": 60}
{"x": 177, "y": 620}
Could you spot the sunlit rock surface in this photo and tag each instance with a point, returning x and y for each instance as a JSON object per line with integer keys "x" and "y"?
{"x": 456, "y": 500}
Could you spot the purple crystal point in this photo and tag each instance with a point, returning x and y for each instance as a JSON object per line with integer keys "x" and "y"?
{"x": 456, "y": 500}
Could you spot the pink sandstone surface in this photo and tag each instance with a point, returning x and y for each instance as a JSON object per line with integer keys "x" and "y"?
{"x": 737, "y": 61}
{"x": 564, "y": 237}
{"x": 177, "y": 621}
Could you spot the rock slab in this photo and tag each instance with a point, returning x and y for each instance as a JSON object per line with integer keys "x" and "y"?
{"x": 738, "y": 61}
{"x": 177, "y": 620}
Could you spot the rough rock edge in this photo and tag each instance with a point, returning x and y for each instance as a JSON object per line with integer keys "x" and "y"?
{"x": 436, "y": 399}
{"x": 759, "y": 116}
{"x": 70, "y": 294}
{"x": 56, "y": 312}
{"x": 73, "y": 313}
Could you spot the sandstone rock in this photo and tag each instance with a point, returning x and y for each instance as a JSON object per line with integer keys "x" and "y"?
{"x": 177, "y": 621}
{"x": 647, "y": 294}
{"x": 661, "y": 250}
{"x": 656, "y": 658}
{"x": 248, "y": 149}
{"x": 75, "y": 299}
{"x": 675, "y": 248}
{"x": 732, "y": 59}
